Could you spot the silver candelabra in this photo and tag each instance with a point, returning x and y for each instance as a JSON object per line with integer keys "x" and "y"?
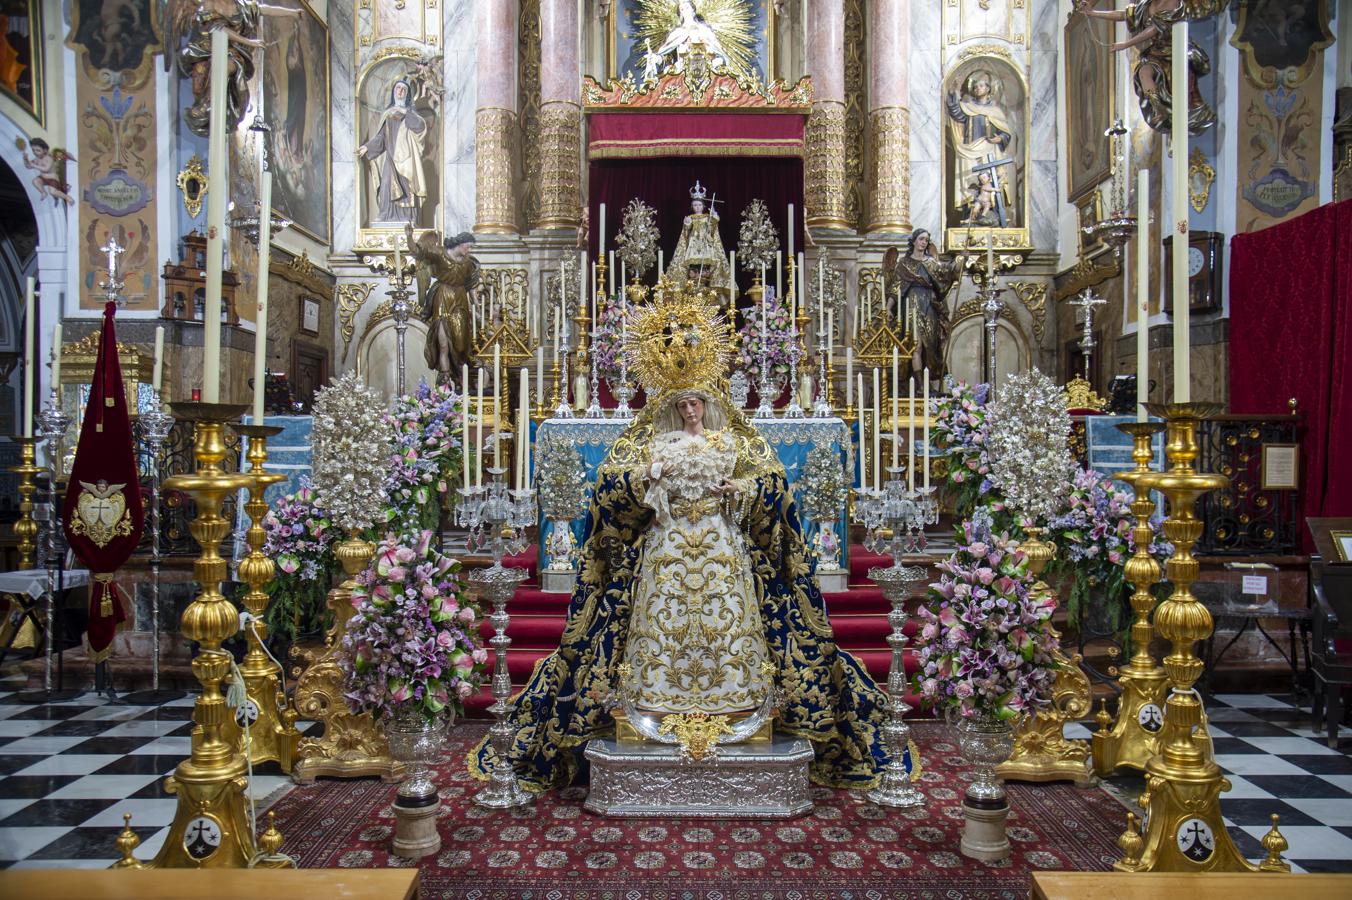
{"x": 991, "y": 307}
{"x": 497, "y": 519}
{"x": 1087, "y": 302}
{"x": 52, "y": 424}
{"x": 766, "y": 409}
{"x": 565, "y": 410}
{"x": 594, "y": 410}
{"x": 895, "y": 518}
{"x": 821, "y": 407}
{"x": 795, "y": 409}
{"x": 156, "y": 424}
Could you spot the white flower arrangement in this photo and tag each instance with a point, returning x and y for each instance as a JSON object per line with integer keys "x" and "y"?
{"x": 1029, "y": 445}
{"x": 351, "y": 439}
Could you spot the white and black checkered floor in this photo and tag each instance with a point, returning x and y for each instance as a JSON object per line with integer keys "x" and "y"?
{"x": 69, "y": 770}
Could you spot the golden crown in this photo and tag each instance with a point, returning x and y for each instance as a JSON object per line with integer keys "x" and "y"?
{"x": 678, "y": 342}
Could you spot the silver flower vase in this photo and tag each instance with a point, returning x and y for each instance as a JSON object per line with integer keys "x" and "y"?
{"x": 416, "y": 741}
{"x": 986, "y": 742}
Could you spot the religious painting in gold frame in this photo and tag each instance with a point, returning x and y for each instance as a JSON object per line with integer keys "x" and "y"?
{"x": 296, "y": 103}
{"x": 1088, "y": 210}
{"x": 394, "y": 92}
{"x": 21, "y": 74}
{"x": 1091, "y": 79}
{"x": 745, "y": 28}
{"x": 1003, "y": 102}
{"x": 116, "y": 38}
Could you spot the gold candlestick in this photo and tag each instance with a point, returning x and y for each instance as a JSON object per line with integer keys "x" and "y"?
{"x": 351, "y": 745}
{"x": 273, "y": 735}
{"x": 557, "y": 375}
{"x": 1041, "y": 750}
{"x": 1184, "y": 829}
{"x": 26, "y": 528}
{"x": 211, "y": 827}
{"x": 830, "y": 378}
{"x": 1133, "y": 738}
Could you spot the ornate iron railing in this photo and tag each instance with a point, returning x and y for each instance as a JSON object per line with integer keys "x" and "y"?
{"x": 1244, "y": 519}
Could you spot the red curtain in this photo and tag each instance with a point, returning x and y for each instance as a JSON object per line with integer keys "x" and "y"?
{"x": 1291, "y": 336}
{"x": 646, "y": 134}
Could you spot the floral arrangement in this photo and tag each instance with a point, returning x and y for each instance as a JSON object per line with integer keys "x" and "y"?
{"x": 1093, "y": 536}
{"x": 780, "y": 339}
{"x": 351, "y": 438}
{"x": 757, "y": 240}
{"x": 300, "y": 541}
{"x": 986, "y": 642}
{"x": 425, "y": 456}
{"x": 1028, "y": 440}
{"x": 413, "y": 639}
{"x": 961, "y": 431}
{"x": 638, "y": 237}
{"x": 561, "y": 479}
{"x": 607, "y": 341}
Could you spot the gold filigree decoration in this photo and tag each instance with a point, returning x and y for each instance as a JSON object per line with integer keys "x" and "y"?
{"x": 856, "y": 129}
{"x": 1080, "y": 395}
{"x": 1086, "y": 273}
{"x": 1033, "y": 296}
{"x": 539, "y": 137}
{"x": 680, "y": 342}
{"x": 1199, "y": 171}
{"x": 697, "y": 732}
{"x": 192, "y": 181}
{"x": 101, "y": 513}
{"x": 351, "y": 298}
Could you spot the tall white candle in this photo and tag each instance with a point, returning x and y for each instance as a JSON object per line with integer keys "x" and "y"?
{"x": 896, "y": 406}
{"x": 877, "y": 429}
{"x": 218, "y": 165}
{"x": 800, "y": 297}
{"x": 499, "y": 413}
{"x": 830, "y": 330}
{"x": 765, "y": 308}
{"x": 399, "y": 260}
{"x": 926, "y": 414}
{"x": 849, "y": 375}
{"x": 821, "y": 293}
{"x": 523, "y": 431}
{"x": 260, "y": 360}
{"x": 1142, "y": 293}
{"x": 624, "y": 275}
{"x": 990, "y": 253}
{"x": 660, "y": 260}
{"x": 466, "y": 415}
{"x": 590, "y": 300}
{"x": 558, "y": 350}
{"x": 29, "y": 353}
{"x": 910, "y": 436}
{"x": 863, "y": 472}
{"x": 158, "y": 378}
{"x": 601, "y": 236}
{"x": 800, "y": 262}
{"x": 1179, "y": 139}
{"x": 610, "y": 275}
{"x": 56, "y": 360}
{"x": 779, "y": 276}
{"x": 540, "y": 374}
{"x": 479, "y": 433}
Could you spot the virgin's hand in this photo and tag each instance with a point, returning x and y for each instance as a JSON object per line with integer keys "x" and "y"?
{"x": 725, "y": 488}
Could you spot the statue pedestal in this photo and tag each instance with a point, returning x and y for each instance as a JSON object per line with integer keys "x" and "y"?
{"x": 748, "y": 780}
{"x": 833, "y": 581}
{"x": 557, "y": 582}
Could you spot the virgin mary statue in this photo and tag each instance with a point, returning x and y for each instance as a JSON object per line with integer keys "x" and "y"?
{"x": 695, "y": 587}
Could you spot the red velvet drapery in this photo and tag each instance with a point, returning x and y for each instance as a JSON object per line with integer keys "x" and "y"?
{"x": 1291, "y": 336}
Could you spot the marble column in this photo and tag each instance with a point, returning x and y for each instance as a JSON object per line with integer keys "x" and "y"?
{"x": 824, "y": 137}
{"x": 495, "y": 124}
{"x": 560, "y": 115}
{"x": 889, "y": 119}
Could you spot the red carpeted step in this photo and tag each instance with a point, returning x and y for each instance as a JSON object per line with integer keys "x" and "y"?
{"x": 858, "y": 600}
{"x": 527, "y": 559}
{"x": 861, "y": 560}
{"x": 528, "y": 631}
{"x": 865, "y": 630}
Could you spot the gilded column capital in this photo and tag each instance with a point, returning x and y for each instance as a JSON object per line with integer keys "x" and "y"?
{"x": 495, "y": 196}
{"x": 560, "y": 164}
{"x": 824, "y": 166}
{"x": 890, "y": 173}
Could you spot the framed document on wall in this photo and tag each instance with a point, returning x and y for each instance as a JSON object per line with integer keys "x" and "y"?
{"x": 1281, "y": 467}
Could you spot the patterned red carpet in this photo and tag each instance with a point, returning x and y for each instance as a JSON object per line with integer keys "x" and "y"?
{"x": 847, "y": 847}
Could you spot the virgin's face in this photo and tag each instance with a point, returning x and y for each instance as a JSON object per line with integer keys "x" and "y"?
{"x": 691, "y": 410}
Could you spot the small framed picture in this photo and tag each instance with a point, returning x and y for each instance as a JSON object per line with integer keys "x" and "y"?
{"x": 1281, "y": 467}
{"x": 309, "y": 315}
{"x": 1342, "y": 545}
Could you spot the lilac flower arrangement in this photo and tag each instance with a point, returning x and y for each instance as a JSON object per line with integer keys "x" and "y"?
{"x": 779, "y": 339}
{"x": 986, "y": 643}
{"x": 607, "y": 343}
{"x": 300, "y": 540}
{"x": 424, "y": 457}
{"x": 413, "y": 638}
{"x": 960, "y": 431}
{"x": 1093, "y": 537}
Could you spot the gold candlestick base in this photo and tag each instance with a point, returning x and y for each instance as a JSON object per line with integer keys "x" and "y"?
{"x": 1184, "y": 829}
{"x": 1041, "y": 751}
{"x": 26, "y": 528}
{"x": 351, "y": 745}
{"x": 1131, "y": 740}
{"x": 211, "y": 828}
{"x": 272, "y": 735}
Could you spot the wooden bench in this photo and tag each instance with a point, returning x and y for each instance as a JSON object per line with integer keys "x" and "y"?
{"x": 208, "y": 884}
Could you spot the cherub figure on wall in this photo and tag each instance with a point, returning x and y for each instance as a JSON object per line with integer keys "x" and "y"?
{"x": 51, "y": 168}
{"x": 193, "y": 21}
{"x": 1149, "y": 22}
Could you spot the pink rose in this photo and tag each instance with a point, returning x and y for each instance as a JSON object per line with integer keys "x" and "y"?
{"x": 467, "y": 614}
{"x": 396, "y": 574}
{"x": 464, "y": 689}
{"x": 444, "y": 640}
{"x": 480, "y": 655}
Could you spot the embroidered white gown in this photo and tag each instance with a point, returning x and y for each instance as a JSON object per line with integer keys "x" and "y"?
{"x": 696, "y": 642}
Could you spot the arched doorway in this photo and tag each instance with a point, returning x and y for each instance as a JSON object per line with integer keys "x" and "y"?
{"x": 18, "y": 260}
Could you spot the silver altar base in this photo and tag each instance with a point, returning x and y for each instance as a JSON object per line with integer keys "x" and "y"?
{"x": 557, "y": 582}
{"x": 749, "y": 780}
{"x": 835, "y": 581}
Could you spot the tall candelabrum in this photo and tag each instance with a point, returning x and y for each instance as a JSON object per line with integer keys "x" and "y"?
{"x": 156, "y": 424}
{"x": 497, "y": 519}
{"x": 990, "y": 307}
{"x": 821, "y": 407}
{"x": 52, "y": 424}
{"x": 895, "y": 519}
{"x": 562, "y": 408}
{"x": 765, "y": 409}
{"x": 26, "y": 527}
{"x": 594, "y": 410}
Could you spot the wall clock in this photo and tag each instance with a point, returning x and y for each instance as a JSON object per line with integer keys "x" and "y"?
{"x": 1205, "y": 253}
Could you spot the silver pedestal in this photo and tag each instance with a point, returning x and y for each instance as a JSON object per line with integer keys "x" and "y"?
{"x": 557, "y": 582}
{"x": 497, "y": 585}
{"x": 747, "y": 780}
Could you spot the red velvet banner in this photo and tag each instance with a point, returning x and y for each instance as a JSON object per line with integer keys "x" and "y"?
{"x": 635, "y": 135}
{"x": 1291, "y": 336}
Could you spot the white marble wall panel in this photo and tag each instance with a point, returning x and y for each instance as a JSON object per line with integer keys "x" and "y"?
{"x": 1045, "y": 26}
{"x": 343, "y": 166}
{"x": 1042, "y": 112}
{"x": 1045, "y": 206}
{"x": 458, "y": 103}
{"x": 926, "y": 98}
